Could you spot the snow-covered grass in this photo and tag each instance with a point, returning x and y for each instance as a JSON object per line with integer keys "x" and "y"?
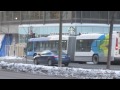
{"x": 61, "y": 71}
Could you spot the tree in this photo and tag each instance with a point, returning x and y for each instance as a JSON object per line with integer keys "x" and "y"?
{"x": 110, "y": 40}
{"x": 60, "y": 40}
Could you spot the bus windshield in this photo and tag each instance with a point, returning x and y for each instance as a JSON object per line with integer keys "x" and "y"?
{"x": 30, "y": 46}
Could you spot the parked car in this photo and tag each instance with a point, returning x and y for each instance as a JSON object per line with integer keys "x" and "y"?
{"x": 50, "y": 57}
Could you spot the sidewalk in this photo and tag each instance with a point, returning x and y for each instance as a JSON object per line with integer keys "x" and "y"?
{"x": 16, "y": 60}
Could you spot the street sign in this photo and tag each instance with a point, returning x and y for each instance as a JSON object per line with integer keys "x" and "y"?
{"x": 71, "y": 30}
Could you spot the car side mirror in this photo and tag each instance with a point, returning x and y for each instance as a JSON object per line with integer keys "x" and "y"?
{"x": 39, "y": 54}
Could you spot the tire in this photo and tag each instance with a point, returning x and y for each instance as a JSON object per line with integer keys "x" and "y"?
{"x": 95, "y": 59}
{"x": 50, "y": 63}
{"x": 66, "y": 64}
{"x": 35, "y": 61}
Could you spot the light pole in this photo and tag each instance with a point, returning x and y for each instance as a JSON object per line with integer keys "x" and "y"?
{"x": 60, "y": 40}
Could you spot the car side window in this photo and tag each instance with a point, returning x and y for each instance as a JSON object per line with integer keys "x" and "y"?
{"x": 48, "y": 53}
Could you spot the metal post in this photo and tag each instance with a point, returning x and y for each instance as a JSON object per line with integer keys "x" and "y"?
{"x": 60, "y": 41}
{"x": 110, "y": 41}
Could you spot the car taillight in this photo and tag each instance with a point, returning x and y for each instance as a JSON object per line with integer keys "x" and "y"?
{"x": 116, "y": 47}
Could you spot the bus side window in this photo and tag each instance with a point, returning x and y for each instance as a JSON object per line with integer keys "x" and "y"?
{"x": 64, "y": 44}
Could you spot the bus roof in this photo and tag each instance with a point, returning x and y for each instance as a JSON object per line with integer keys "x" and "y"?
{"x": 49, "y": 38}
{"x": 89, "y": 36}
{"x": 65, "y": 37}
{"x": 38, "y": 39}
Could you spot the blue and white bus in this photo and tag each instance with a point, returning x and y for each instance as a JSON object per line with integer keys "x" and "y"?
{"x": 36, "y": 45}
{"x": 85, "y": 47}
{"x": 93, "y": 47}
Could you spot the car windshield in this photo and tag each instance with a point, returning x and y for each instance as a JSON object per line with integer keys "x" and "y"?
{"x": 57, "y": 52}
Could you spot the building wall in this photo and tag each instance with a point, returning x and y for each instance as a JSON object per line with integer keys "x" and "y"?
{"x": 10, "y": 20}
{"x": 44, "y": 17}
{"x": 12, "y": 29}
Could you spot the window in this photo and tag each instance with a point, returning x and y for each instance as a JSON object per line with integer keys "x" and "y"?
{"x": 54, "y": 14}
{"x": 16, "y": 15}
{"x": 67, "y": 15}
{"x": 95, "y": 14}
{"x": 46, "y": 53}
{"x": 34, "y": 15}
{"x": 9, "y": 15}
{"x": 23, "y": 38}
{"x": 37, "y": 46}
{"x": 78, "y": 14}
{"x": 41, "y": 14}
{"x": 64, "y": 44}
{"x": 86, "y": 14}
{"x": 47, "y": 15}
{"x": 74, "y": 14}
{"x": 30, "y": 46}
{"x": 83, "y": 45}
{"x": 25, "y": 15}
{"x": 103, "y": 15}
{"x": 56, "y": 44}
{"x": 1, "y": 16}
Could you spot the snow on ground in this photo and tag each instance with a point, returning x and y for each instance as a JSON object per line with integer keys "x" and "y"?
{"x": 10, "y": 57}
{"x": 77, "y": 73}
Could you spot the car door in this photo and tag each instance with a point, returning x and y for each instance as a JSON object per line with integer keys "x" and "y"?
{"x": 45, "y": 56}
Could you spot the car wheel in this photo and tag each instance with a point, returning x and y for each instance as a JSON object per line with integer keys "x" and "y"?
{"x": 95, "y": 59}
{"x": 66, "y": 64}
{"x": 35, "y": 61}
{"x": 50, "y": 63}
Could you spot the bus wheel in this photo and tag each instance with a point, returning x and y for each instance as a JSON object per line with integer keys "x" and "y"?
{"x": 95, "y": 59}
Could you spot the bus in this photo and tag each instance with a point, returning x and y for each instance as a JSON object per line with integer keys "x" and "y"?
{"x": 92, "y": 47}
{"x": 36, "y": 45}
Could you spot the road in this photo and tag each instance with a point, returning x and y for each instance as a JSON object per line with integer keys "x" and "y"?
{"x": 15, "y": 75}
{"x": 91, "y": 66}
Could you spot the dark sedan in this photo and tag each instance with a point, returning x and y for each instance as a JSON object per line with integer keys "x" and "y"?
{"x": 50, "y": 57}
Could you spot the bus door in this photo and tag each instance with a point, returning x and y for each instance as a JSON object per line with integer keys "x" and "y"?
{"x": 116, "y": 46}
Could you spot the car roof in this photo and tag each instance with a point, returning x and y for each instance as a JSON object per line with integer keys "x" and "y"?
{"x": 47, "y": 51}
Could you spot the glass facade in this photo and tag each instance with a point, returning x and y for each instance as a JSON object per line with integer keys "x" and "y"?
{"x": 51, "y": 16}
{"x": 47, "y": 29}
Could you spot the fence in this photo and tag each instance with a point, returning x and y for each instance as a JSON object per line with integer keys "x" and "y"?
{"x": 15, "y": 50}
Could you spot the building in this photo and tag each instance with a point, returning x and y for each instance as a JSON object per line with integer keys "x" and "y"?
{"x": 42, "y": 23}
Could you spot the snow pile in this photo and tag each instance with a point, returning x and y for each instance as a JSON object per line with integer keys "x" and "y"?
{"x": 61, "y": 71}
{"x": 10, "y": 57}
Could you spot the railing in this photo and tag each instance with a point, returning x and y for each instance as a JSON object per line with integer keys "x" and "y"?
{"x": 15, "y": 50}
